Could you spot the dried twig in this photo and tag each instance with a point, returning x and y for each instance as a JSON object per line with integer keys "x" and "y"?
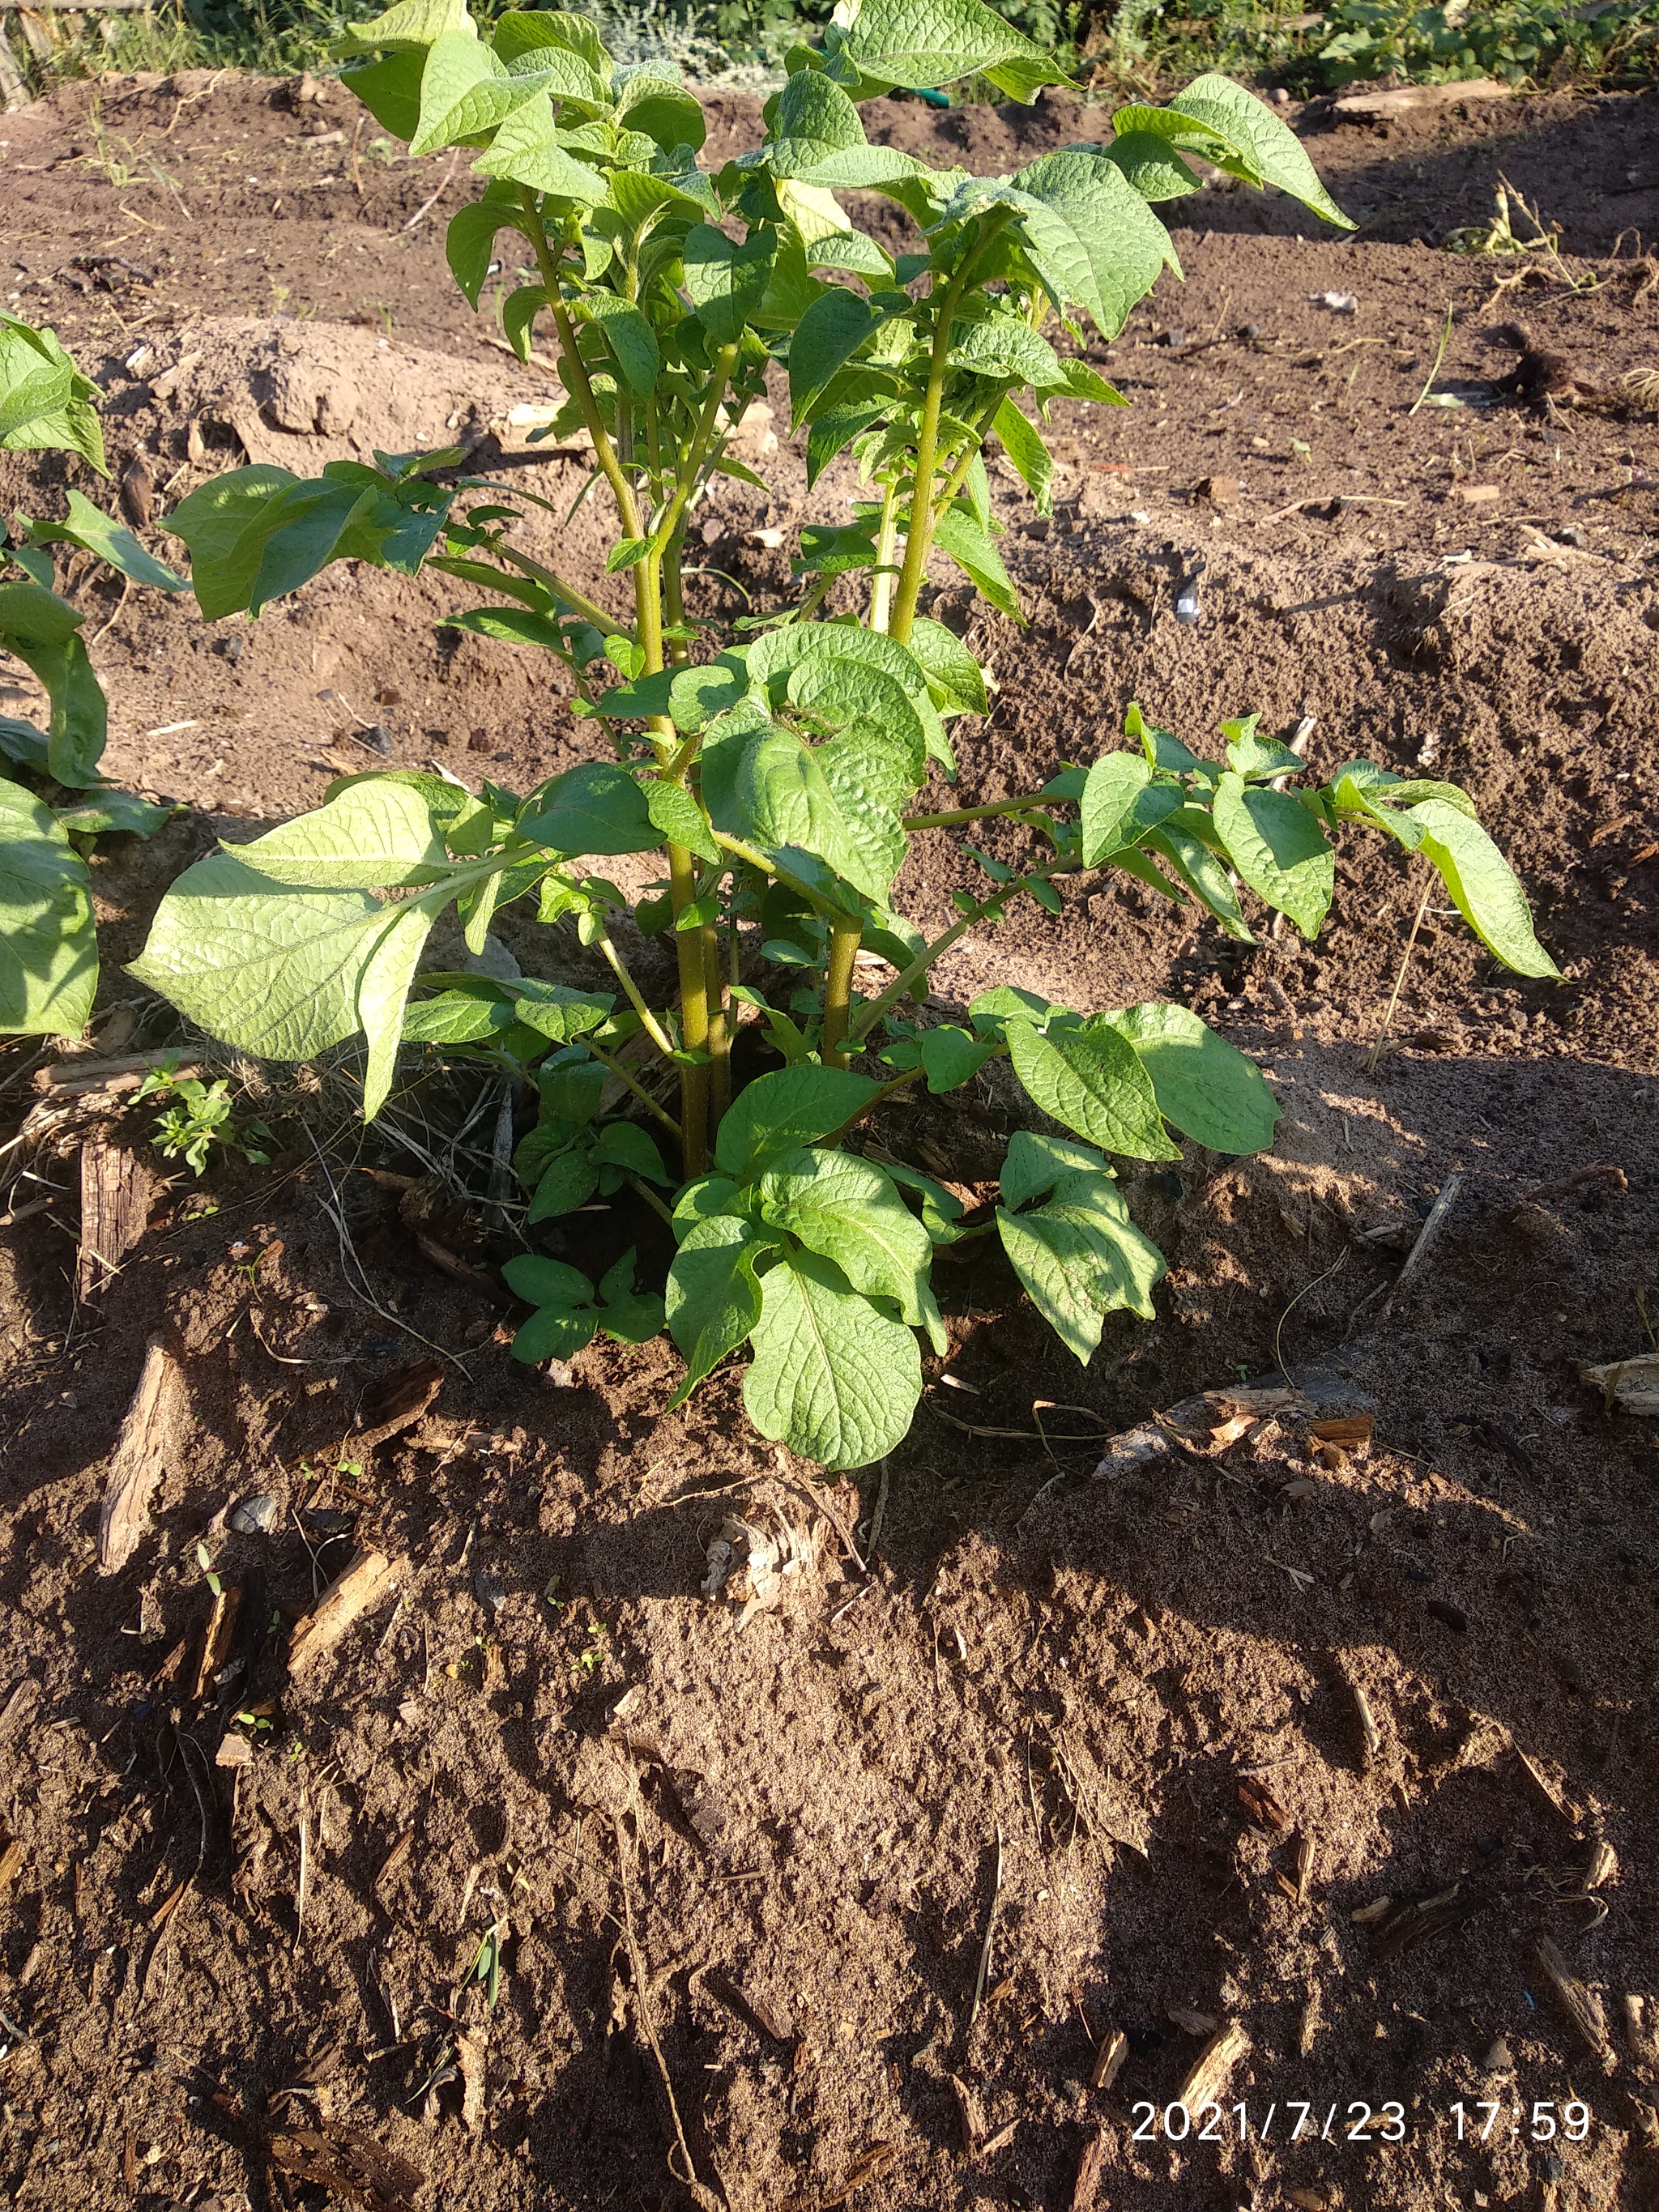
{"x": 704, "y": 2196}
{"x": 1426, "y": 1238}
{"x": 427, "y": 205}
{"x": 990, "y": 1932}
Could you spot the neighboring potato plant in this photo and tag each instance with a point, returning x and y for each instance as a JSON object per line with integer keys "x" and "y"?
{"x": 779, "y": 778}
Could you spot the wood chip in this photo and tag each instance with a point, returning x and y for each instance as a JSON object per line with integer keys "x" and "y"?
{"x": 148, "y": 1435}
{"x": 234, "y": 1751}
{"x": 1429, "y": 1916}
{"x": 11, "y": 1864}
{"x": 348, "y": 2162}
{"x": 967, "y": 2118}
{"x": 868, "y": 2163}
{"x": 1208, "y": 2076}
{"x": 216, "y": 1640}
{"x": 396, "y": 1401}
{"x": 1262, "y": 1806}
{"x": 1335, "y": 1441}
{"x": 1378, "y": 106}
{"x": 116, "y": 1191}
{"x": 470, "y": 2055}
{"x": 75, "y": 1079}
{"x": 1552, "y": 1794}
{"x": 1304, "y": 1864}
{"x": 366, "y": 1583}
{"x": 1194, "y": 2023}
{"x": 1085, "y": 2190}
{"x": 1109, "y": 2060}
{"x": 1581, "y": 2006}
{"x": 1371, "y": 1734}
{"x": 1627, "y": 1386}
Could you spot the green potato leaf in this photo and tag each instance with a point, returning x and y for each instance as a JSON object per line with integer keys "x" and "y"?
{"x": 41, "y": 630}
{"x": 95, "y": 531}
{"x": 726, "y": 282}
{"x": 597, "y": 808}
{"x": 1081, "y": 1257}
{"x": 48, "y": 943}
{"x": 1278, "y": 848}
{"x": 284, "y": 978}
{"x": 371, "y": 836}
{"x": 778, "y": 1113}
{"x": 960, "y": 534}
{"x": 1035, "y": 1164}
{"x": 1263, "y": 148}
{"x": 1204, "y": 1085}
{"x": 845, "y": 1209}
{"x": 569, "y": 1182}
{"x": 1111, "y": 793}
{"x": 925, "y": 44}
{"x": 1092, "y": 1081}
{"x": 833, "y": 1377}
{"x": 714, "y": 1296}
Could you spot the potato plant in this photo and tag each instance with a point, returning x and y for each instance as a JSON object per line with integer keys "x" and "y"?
{"x": 775, "y": 766}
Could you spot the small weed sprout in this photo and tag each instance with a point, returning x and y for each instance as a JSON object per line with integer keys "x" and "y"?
{"x": 195, "y": 1117}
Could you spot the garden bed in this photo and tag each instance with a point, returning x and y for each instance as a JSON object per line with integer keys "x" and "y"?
{"x": 1040, "y": 1743}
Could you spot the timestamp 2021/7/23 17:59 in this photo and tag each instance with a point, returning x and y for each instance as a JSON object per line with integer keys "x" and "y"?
{"x": 1356, "y": 2122}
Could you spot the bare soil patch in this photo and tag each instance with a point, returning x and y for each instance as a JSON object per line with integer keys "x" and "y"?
{"x": 1042, "y": 1742}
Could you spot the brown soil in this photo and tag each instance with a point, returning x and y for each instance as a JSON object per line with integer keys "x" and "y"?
{"x": 1094, "y": 1706}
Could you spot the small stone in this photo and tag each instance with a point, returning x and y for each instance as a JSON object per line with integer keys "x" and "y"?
{"x": 1250, "y": 333}
{"x": 1570, "y": 536}
{"x": 378, "y": 739}
{"x": 1453, "y": 1616}
{"x": 256, "y": 1516}
{"x": 1497, "y": 2060}
{"x": 1175, "y": 336}
{"x": 1221, "y": 491}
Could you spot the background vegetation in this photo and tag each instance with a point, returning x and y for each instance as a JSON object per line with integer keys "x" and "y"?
{"x": 1135, "y": 45}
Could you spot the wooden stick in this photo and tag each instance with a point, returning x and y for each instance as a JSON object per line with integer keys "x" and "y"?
{"x": 365, "y": 1584}
{"x": 1208, "y": 2076}
{"x": 1109, "y": 2059}
{"x": 1581, "y": 2006}
{"x": 1426, "y": 1238}
{"x": 14, "y": 93}
{"x": 135, "y": 1463}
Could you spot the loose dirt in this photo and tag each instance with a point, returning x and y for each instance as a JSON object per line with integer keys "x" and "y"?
{"x": 1041, "y": 1739}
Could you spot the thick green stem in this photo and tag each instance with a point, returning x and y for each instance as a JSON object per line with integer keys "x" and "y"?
{"x": 881, "y": 595}
{"x": 719, "y": 1027}
{"x": 919, "y": 534}
{"x": 844, "y": 939}
{"x": 702, "y": 439}
{"x": 693, "y": 1013}
{"x": 673, "y": 596}
{"x": 653, "y": 1028}
{"x": 913, "y": 975}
